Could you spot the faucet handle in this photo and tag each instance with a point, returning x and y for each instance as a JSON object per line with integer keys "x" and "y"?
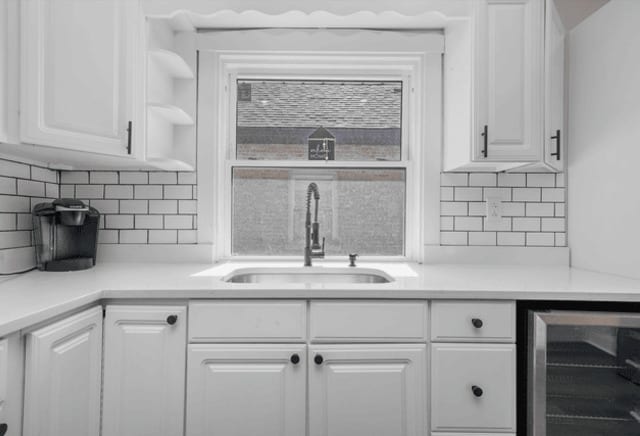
{"x": 352, "y": 259}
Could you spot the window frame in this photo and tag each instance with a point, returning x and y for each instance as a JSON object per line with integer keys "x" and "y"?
{"x": 420, "y": 74}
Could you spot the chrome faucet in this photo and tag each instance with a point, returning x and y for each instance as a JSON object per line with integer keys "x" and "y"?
{"x": 312, "y": 246}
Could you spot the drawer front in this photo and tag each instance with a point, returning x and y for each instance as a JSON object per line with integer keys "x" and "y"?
{"x": 473, "y": 387}
{"x": 473, "y": 321}
{"x": 248, "y": 321}
{"x": 369, "y": 321}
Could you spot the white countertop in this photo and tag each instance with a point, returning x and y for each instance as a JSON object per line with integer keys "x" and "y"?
{"x": 37, "y": 296}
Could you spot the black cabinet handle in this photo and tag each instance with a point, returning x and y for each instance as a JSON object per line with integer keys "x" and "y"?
{"x": 558, "y": 145}
{"x": 477, "y": 323}
{"x": 172, "y": 319}
{"x": 129, "y": 132}
{"x": 3, "y": 429}
{"x": 295, "y": 359}
{"x": 485, "y": 147}
{"x": 477, "y": 391}
{"x": 318, "y": 359}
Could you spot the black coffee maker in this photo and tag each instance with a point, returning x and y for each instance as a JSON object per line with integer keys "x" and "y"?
{"x": 66, "y": 235}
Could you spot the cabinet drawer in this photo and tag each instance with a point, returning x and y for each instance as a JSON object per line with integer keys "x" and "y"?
{"x": 473, "y": 387}
{"x": 369, "y": 321}
{"x": 473, "y": 321}
{"x": 248, "y": 321}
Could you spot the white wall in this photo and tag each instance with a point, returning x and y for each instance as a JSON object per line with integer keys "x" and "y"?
{"x": 604, "y": 140}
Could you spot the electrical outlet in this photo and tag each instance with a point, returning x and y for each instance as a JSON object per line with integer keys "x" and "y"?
{"x": 494, "y": 210}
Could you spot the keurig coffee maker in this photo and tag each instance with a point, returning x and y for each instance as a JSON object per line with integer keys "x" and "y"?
{"x": 66, "y": 235}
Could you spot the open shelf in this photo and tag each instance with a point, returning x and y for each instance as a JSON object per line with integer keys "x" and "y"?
{"x": 172, "y": 63}
{"x": 171, "y": 113}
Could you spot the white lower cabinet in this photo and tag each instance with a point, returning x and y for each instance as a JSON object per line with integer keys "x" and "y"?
{"x": 246, "y": 389}
{"x": 62, "y": 377}
{"x": 144, "y": 370}
{"x": 373, "y": 390}
{"x": 473, "y": 387}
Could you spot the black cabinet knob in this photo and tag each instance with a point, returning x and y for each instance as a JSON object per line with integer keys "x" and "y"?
{"x": 3, "y": 429}
{"x": 295, "y": 359}
{"x": 318, "y": 359}
{"x": 172, "y": 319}
{"x": 477, "y": 323}
{"x": 477, "y": 390}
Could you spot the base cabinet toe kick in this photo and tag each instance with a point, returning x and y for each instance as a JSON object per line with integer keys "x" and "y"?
{"x": 270, "y": 367}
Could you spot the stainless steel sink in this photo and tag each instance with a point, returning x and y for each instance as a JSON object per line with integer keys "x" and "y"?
{"x": 308, "y": 275}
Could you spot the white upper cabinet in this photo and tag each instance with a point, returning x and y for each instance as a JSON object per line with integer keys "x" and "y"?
{"x": 76, "y": 84}
{"x": 63, "y": 377}
{"x": 517, "y": 90}
{"x": 508, "y": 80}
{"x": 144, "y": 368}
{"x": 554, "y": 151}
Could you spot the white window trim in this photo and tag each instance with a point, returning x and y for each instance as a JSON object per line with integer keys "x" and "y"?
{"x": 421, "y": 74}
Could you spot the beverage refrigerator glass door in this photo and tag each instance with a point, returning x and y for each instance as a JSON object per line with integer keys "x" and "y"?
{"x": 583, "y": 373}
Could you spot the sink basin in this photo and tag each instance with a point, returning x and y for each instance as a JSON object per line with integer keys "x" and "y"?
{"x": 308, "y": 275}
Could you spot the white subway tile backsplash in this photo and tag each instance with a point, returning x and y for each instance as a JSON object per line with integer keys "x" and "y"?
{"x": 117, "y": 191}
{"x": 85, "y": 192}
{"x": 103, "y": 177}
{"x": 14, "y": 169}
{"x": 513, "y": 209}
{"x": 477, "y": 208}
{"x": 540, "y": 209}
{"x": 526, "y": 194}
{"x": 526, "y": 224}
{"x": 512, "y": 180}
{"x": 10, "y": 203}
{"x": 187, "y": 206}
{"x": 482, "y": 238}
{"x": 446, "y": 193}
{"x": 7, "y": 221}
{"x": 467, "y": 194}
{"x": 553, "y": 225}
{"x": 133, "y": 236}
{"x": 163, "y": 206}
{"x": 74, "y": 177}
{"x": 454, "y": 179}
{"x": 163, "y": 178}
{"x": 454, "y": 238}
{"x": 561, "y": 239}
{"x": 44, "y": 174}
{"x": 163, "y": 236}
{"x": 553, "y": 194}
{"x": 483, "y": 179}
{"x": 106, "y": 206}
{"x": 187, "y": 178}
{"x": 446, "y": 223}
{"x": 108, "y": 236}
{"x": 560, "y": 209}
{"x": 52, "y": 190}
{"x": 448, "y": 208}
{"x": 15, "y": 239}
{"x": 8, "y": 185}
{"x": 67, "y": 191}
{"x": 30, "y": 188}
{"x": 148, "y": 192}
{"x": 540, "y": 239}
{"x": 118, "y": 221}
{"x": 24, "y": 221}
{"x": 511, "y": 238}
{"x": 503, "y": 194}
{"x": 541, "y": 180}
{"x": 187, "y": 237}
{"x": 178, "y": 222}
{"x": 503, "y": 225}
{"x": 134, "y": 206}
{"x": 134, "y": 177}
{"x": 149, "y": 222}
{"x": 467, "y": 223}
{"x": 178, "y": 192}
{"x": 560, "y": 180}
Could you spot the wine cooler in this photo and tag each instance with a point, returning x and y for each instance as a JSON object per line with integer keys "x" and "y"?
{"x": 583, "y": 373}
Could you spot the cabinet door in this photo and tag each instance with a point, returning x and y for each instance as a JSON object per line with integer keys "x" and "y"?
{"x": 373, "y": 390}
{"x": 144, "y": 370}
{"x": 509, "y": 80}
{"x": 241, "y": 390}
{"x": 473, "y": 387}
{"x": 62, "y": 377}
{"x": 554, "y": 92}
{"x": 76, "y": 81}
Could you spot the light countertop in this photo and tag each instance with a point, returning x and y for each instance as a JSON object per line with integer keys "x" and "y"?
{"x": 37, "y": 296}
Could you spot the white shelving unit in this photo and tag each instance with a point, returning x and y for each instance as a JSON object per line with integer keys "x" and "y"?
{"x": 170, "y": 96}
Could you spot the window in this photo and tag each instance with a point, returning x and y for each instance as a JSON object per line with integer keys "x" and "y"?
{"x": 349, "y": 121}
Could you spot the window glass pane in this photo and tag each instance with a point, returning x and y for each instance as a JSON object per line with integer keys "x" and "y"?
{"x": 360, "y": 210}
{"x": 315, "y": 120}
